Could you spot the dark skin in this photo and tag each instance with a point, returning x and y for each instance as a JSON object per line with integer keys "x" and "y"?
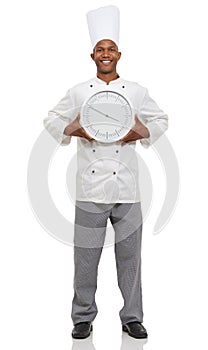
{"x": 106, "y": 56}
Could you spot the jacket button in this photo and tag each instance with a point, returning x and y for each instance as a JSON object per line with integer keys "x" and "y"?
{"x": 93, "y": 150}
{"x": 91, "y": 85}
{"x": 114, "y": 173}
{"x": 117, "y": 151}
{"x": 93, "y": 171}
{"x": 123, "y": 86}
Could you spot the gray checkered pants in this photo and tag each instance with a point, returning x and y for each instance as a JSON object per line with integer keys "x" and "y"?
{"x": 89, "y": 235}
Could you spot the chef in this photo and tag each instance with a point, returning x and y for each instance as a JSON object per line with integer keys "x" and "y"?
{"x": 107, "y": 181}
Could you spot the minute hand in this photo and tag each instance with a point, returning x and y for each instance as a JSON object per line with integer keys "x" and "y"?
{"x": 106, "y": 115}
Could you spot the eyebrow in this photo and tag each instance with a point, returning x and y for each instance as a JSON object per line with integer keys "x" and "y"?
{"x": 109, "y": 47}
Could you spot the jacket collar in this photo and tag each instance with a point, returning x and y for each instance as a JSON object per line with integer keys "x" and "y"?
{"x": 115, "y": 81}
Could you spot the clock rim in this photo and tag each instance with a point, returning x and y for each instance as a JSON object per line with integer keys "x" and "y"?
{"x": 100, "y": 92}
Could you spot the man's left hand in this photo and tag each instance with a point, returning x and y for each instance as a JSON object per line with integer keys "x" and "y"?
{"x": 139, "y": 131}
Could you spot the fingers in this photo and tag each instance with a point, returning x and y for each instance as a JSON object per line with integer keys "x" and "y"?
{"x": 127, "y": 141}
{"x": 126, "y": 137}
{"x": 78, "y": 118}
{"x": 128, "y": 134}
{"x": 84, "y": 133}
{"x": 88, "y": 137}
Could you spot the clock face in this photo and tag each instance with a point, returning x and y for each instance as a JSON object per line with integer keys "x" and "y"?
{"x": 106, "y": 116}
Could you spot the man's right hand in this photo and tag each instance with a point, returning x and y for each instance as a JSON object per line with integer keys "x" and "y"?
{"x": 75, "y": 129}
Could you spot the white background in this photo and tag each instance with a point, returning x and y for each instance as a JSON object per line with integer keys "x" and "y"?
{"x": 45, "y": 50}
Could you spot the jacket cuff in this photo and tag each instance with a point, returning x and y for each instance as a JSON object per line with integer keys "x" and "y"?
{"x": 56, "y": 129}
{"x": 155, "y": 132}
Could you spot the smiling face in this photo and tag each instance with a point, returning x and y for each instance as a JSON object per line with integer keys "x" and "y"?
{"x": 106, "y": 55}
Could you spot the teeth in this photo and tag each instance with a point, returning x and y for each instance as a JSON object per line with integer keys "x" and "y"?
{"x": 106, "y": 62}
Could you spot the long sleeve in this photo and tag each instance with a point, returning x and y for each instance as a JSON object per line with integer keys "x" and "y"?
{"x": 154, "y": 119}
{"x": 59, "y": 117}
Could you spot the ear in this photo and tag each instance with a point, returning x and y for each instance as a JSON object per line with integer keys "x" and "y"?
{"x": 92, "y": 56}
{"x": 119, "y": 55}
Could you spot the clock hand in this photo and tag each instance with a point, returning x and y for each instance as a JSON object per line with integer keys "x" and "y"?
{"x": 106, "y": 115}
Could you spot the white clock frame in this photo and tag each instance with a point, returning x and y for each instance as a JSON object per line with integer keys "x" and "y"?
{"x": 107, "y": 116}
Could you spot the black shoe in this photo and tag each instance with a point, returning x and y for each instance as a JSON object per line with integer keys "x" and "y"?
{"x": 135, "y": 330}
{"x": 82, "y": 330}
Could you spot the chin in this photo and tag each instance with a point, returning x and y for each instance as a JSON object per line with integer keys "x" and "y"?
{"x": 106, "y": 71}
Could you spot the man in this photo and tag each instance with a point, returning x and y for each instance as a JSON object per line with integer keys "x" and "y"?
{"x": 103, "y": 165}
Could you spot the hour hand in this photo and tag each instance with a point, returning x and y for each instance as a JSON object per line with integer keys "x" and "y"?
{"x": 106, "y": 115}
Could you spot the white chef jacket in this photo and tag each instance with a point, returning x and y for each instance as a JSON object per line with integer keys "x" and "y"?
{"x": 107, "y": 172}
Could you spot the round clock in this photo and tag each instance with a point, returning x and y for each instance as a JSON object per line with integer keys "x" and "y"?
{"x": 106, "y": 116}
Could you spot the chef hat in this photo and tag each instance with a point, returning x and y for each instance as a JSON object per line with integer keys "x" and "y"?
{"x": 103, "y": 23}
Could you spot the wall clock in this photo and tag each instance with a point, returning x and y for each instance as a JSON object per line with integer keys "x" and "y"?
{"x": 107, "y": 116}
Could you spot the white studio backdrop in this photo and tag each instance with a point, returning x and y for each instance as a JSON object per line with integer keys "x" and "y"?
{"x": 45, "y": 49}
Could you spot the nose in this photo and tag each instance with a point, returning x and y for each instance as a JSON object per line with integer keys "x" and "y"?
{"x": 105, "y": 53}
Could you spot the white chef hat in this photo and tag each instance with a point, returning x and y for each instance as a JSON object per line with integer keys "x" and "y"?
{"x": 104, "y": 23}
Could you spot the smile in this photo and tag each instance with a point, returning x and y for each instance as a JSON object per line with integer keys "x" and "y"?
{"x": 106, "y": 62}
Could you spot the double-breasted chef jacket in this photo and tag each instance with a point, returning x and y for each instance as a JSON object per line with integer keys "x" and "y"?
{"x": 107, "y": 172}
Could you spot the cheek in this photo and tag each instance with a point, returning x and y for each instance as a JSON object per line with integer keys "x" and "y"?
{"x": 97, "y": 60}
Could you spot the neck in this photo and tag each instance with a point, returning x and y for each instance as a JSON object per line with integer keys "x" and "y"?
{"x": 108, "y": 77}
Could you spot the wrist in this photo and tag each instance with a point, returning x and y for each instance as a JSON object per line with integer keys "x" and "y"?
{"x": 146, "y": 133}
{"x": 68, "y": 130}
{"x": 142, "y": 131}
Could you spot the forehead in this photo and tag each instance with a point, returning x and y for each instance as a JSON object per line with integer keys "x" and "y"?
{"x": 105, "y": 43}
